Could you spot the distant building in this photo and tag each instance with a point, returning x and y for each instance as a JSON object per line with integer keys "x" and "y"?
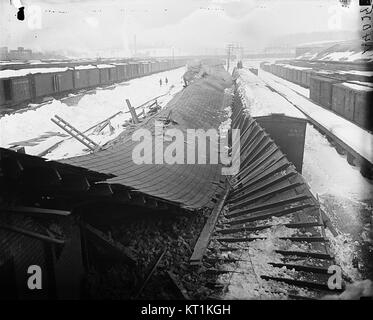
{"x": 20, "y": 54}
{"x": 3, "y": 53}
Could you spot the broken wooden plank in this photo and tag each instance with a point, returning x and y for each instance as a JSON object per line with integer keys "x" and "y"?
{"x": 317, "y": 255}
{"x": 135, "y": 119}
{"x": 107, "y": 241}
{"x": 204, "y": 238}
{"x": 32, "y": 234}
{"x": 267, "y": 205}
{"x": 278, "y": 212}
{"x": 297, "y": 267}
{"x": 258, "y": 228}
{"x": 36, "y": 210}
{"x": 248, "y": 239}
{"x": 152, "y": 268}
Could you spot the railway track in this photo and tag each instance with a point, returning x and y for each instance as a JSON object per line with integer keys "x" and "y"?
{"x": 270, "y": 234}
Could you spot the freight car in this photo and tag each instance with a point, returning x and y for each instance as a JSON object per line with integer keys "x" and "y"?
{"x": 339, "y": 91}
{"x": 25, "y": 85}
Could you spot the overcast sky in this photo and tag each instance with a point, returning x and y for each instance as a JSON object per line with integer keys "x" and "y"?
{"x": 93, "y": 26}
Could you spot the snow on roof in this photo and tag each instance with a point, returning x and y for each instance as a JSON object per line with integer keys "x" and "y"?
{"x": 358, "y": 72}
{"x": 295, "y": 67}
{"x": 102, "y": 66}
{"x": 358, "y": 87}
{"x": 261, "y": 100}
{"x": 23, "y": 72}
{"x": 83, "y": 67}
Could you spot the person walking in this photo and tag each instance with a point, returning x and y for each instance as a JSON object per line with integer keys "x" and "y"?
{"x": 160, "y": 82}
{"x": 166, "y": 80}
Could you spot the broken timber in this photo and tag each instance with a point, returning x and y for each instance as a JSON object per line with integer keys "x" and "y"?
{"x": 133, "y": 112}
{"x": 204, "y": 238}
{"x": 108, "y": 242}
{"x": 152, "y": 269}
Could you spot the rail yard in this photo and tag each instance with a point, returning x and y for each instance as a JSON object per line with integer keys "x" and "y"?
{"x": 270, "y": 231}
{"x": 201, "y": 151}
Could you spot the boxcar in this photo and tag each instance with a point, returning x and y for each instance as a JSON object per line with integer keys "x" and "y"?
{"x": 344, "y": 100}
{"x": 64, "y": 81}
{"x": 81, "y": 78}
{"x": 50, "y": 83}
{"x": 363, "y": 107}
{"x": 104, "y": 74}
{"x": 113, "y": 76}
{"x": 93, "y": 77}
{"x": 289, "y": 134}
{"x": 326, "y": 88}
{"x": 121, "y": 71}
{"x": 16, "y": 90}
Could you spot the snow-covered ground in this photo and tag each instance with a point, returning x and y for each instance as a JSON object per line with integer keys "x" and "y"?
{"x": 33, "y": 128}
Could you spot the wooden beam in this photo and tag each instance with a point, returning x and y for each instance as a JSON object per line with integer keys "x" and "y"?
{"x": 110, "y": 243}
{"x": 36, "y": 210}
{"x": 297, "y": 267}
{"x": 258, "y": 228}
{"x": 32, "y": 234}
{"x": 267, "y": 205}
{"x": 135, "y": 119}
{"x": 316, "y": 255}
{"x": 152, "y": 268}
{"x": 204, "y": 238}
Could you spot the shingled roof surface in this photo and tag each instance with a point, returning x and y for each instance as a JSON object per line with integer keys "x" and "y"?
{"x": 199, "y": 106}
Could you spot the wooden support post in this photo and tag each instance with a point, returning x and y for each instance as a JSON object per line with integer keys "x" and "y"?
{"x": 135, "y": 119}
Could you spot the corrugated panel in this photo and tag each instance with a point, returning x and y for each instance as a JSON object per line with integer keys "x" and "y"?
{"x": 194, "y": 186}
{"x": 269, "y": 186}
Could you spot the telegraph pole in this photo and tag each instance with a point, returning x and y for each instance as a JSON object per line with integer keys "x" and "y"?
{"x": 229, "y": 48}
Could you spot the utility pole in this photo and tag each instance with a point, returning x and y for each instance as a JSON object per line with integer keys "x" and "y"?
{"x": 229, "y": 48}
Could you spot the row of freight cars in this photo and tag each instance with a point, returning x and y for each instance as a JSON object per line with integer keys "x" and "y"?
{"x": 22, "y": 86}
{"x": 341, "y": 93}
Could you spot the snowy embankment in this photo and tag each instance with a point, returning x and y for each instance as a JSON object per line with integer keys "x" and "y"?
{"x": 34, "y": 130}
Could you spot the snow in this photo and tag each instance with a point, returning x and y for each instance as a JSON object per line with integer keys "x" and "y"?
{"x": 260, "y": 100}
{"x": 329, "y": 176}
{"x": 349, "y": 56}
{"x": 83, "y": 67}
{"x": 102, "y": 66}
{"x": 354, "y": 291}
{"x": 294, "y": 67}
{"x": 358, "y": 72}
{"x": 37, "y": 132}
{"x": 335, "y": 56}
{"x": 358, "y": 139}
{"x": 22, "y": 72}
{"x": 254, "y": 258}
{"x": 358, "y": 86}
